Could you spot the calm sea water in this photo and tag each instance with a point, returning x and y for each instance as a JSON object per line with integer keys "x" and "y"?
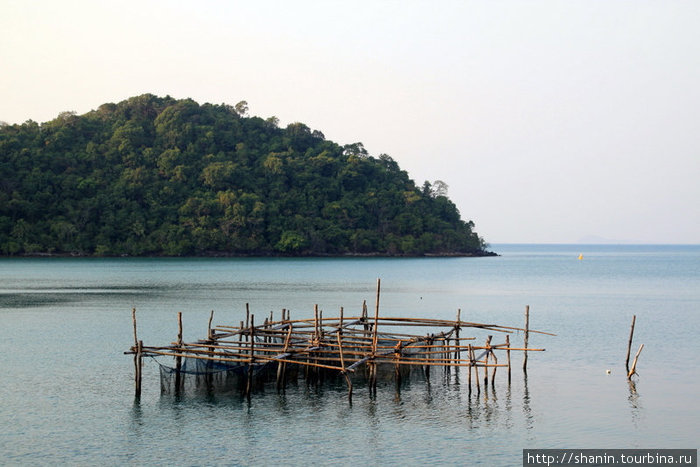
{"x": 66, "y": 395}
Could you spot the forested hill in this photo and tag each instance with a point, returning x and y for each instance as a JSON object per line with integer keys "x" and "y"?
{"x": 160, "y": 176}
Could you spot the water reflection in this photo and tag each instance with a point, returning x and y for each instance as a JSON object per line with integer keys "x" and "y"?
{"x": 527, "y": 410}
{"x": 634, "y": 403}
{"x": 136, "y": 414}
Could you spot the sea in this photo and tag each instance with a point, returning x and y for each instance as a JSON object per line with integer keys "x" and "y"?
{"x": 67, "y": 388}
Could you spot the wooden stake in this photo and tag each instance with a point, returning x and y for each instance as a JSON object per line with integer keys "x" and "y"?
{"x": 373, "y": 364}
{"x": 282, "y": 366}
{"x": 508, "y": 355}
{"x": 457, "y": 328}
{"x": 486, "y": 361}
{"x": 249, "y": 382}
{"x": 178, "y": 359}
{"x": 210, "y": 333}
{"x": 316, "y": 333}
{"x": 137, "y": 358}
{"x": 633, "y": 370}
{"x": 527, "y": 334}
{"x": 376, "y": 318}
{"x": 133, "y": 318}
{"x": 629, "y": 344}
{"x": 247, "y": 319}
{"x": 469, "y": 368}
{"x": 342, "y": 365}
{"x": 476, "y": 370}
{"x": 138, "y": 362}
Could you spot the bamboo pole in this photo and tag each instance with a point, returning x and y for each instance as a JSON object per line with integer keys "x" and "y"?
{"x": 629, "y": 344}
{"x": 282, "y": 366}
{"x": 376, "y": 318}
{"x": 320, "y": 325}
{"x": 133, "y": 319}
{"x": 633, "y": 370}
{"x": 316, "y": 333}
{"x": 363, "y": 317}
{"x": 137, "y": 358}
{"x": 249, "y": 382}
{"x": 486, "y": 360}
{"x": 138, "y": 362}
{"x": 178, "y": 359}
{"x": 476, "y": 371}
{"x": 210, "y": 333}
{"x": 508, "y": 355}
{"x": 342, "y": 366}
{"x": 247, "y": 319}
{"x": 495, "y": 367}
{"x": 527, "y": 335}
{"x": 457, "y": 328}
{"x": 469, "y": 368}
{"x": 372, "y": 363}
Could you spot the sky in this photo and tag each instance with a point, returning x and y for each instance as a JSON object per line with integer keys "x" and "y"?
{"x": 550, "y": 121}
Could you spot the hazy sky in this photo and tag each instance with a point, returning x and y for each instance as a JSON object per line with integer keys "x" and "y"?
{"x": 550, "y": 121}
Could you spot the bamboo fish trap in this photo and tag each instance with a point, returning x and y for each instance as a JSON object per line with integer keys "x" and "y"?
{"x": 247, "y": 356}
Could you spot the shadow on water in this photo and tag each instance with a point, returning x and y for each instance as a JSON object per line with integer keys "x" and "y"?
{"x": 33, "y": 300}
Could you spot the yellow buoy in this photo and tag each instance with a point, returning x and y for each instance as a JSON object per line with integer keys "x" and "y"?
{"x": 580, "y": 256}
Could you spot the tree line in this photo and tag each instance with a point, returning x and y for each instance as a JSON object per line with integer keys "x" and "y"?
{"x": 160, "y": 176}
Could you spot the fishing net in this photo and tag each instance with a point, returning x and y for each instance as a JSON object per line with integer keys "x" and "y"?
{"x": 203, "y": 376}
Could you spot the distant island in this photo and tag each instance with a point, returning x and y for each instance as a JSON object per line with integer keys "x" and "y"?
{"x": 158, "y": 176}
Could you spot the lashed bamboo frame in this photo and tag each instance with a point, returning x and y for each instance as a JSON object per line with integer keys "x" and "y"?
{"x": 343, "y": 345}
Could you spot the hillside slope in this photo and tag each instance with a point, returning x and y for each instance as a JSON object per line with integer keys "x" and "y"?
{"x": 160, "y": 176}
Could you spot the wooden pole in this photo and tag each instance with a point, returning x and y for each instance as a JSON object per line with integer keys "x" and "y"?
{"x": 316, "y": 333}
{"x": 138, "y": 360}
{"x": 495, "y": 367}
{"x": 457, "y": 328}
{"x": 486, "y": 361}
{"x": 133, "y": 318}
{"x": 527, "y": 335}
{"x": 633, "y": 370}
{"x": 178, "y": 359}
{"x": 376, "y": 318}
{"x": 629, "y": 344}
{"x": 469, "y": 368}
{"x": 210, "y": 333}
{"x": 247, "y": 318}
{"x": 373, "y": 364}
{"x": 428, "y": 357}
{"x": 342, "y": 365}
{"x": 476, "y": 370}
{"x": 282, "y": 366}
{"x": 249, "y": 382}
{"x": 320, "y": 325}
{"x": 508, "y": 355}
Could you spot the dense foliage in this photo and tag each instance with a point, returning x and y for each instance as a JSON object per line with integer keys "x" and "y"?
{"x": 160, "y": 176}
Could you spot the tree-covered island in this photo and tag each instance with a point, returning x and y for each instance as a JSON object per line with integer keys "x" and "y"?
{"x": 157, "y": 176}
